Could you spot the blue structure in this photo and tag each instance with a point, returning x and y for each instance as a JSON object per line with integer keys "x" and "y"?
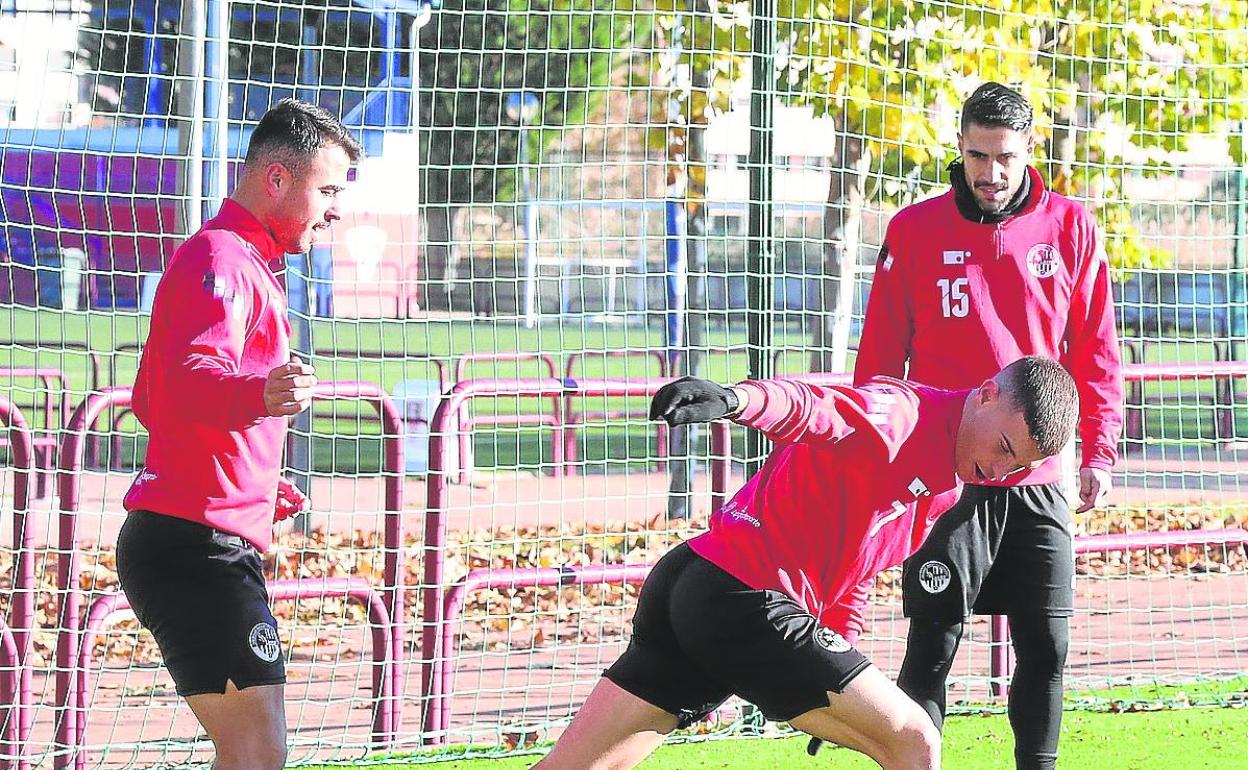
{"x": 370, "y": 88}
{"x": 115, "y": 192}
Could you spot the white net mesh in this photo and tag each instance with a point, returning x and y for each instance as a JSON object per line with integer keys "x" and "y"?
{"x": 566, "y": 190}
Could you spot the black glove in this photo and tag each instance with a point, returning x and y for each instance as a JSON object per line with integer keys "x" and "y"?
{"x": 690, "y": 399}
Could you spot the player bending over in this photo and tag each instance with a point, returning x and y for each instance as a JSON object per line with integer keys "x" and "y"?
{"x": 768, "y": 603}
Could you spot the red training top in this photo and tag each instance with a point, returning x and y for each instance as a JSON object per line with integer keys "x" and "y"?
{"x": 218, "y": 328}
{"x": 961, "y": 300}
{"x": 854, "y": 485}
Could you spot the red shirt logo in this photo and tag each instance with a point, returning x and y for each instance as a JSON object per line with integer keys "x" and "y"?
{"x": 1043, "y": 260}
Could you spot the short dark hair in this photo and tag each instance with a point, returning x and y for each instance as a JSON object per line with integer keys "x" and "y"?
{"x": 1046, "y": 394}
{"x": 292, "y": 132}
{"x": 996, "y": 106}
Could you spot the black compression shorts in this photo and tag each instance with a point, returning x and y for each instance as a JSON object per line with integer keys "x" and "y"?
{"x": 201, "y": 593}
{"x": 999, "y": 551}
{"x": 700, "y": 635}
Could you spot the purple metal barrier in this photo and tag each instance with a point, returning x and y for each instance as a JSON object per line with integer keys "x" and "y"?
{"x": 435, "y": 525}
{"x": 94, "y": 368}
{"x": 16, "y": 636}
{"x": 439, "y": 703}
{"x": 573, "y": 418}
{"x": 95, "y": 371}
{"x": 441, "y": 428}
{"x": 1135, "y": 375}
{"x": 394, "y": 477}
{"x": 1000, "y": 656}
{"x": 471, "y": 359}
{"x": 13, "y": 702}
{"x": 1175, "y": 538}
{"x": 134, "y": 349}
{"x": 114, "y": 429}
{"x": 405, "y": 357}
{"x": 49, "y": 379}
{"x": 385, "y": 725}
{"x": 127, "y": 349}
{"x": 467, "y": 422}
{"x": 70, "y": 598}
{"x": 440, "y": 696}
{"x": 440, "y": 366}
{"x": 1000, "y": 659}
{"x": 71, "y": 723}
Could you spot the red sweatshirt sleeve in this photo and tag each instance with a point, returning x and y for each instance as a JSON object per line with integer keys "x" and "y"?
{"x": 792, "y": 412}
{"x": 1093, "y": 359}
{"x": 884, "y": 346}
{"x": 216, "y": 297}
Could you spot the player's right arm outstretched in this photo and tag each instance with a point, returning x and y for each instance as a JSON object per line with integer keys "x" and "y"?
{"x": 790, "y": 411}
{"x": 690, "y": 400}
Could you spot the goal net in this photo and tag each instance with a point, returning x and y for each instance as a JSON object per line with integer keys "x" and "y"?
{"x": 562, "y": 204}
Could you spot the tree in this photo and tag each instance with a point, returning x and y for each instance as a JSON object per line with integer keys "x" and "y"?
{"x": 1120, "y": 86}
{"x": 472, "y": 54}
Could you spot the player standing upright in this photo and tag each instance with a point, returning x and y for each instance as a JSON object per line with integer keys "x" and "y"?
{"x": 215, "y": 386}
{"x": 995, "y": 269}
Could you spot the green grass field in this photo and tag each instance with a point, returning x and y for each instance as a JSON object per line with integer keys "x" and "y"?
{"x": 1191, "y": 739}
{"x": 344, "y": 444}
{"x": 1145, "y": 726}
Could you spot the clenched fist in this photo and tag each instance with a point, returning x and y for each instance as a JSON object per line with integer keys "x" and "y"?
{"x": 690, "y": 399}
{"x": 288, "y": 388}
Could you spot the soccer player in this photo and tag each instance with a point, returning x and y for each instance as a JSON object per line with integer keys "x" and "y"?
{"x": 768, "y": 603}
{"x": 996, "y": 268}
{"x": 215, "y": 386}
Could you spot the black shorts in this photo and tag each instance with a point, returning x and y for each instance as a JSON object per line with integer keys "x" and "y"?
{"x": 201, "y": 593}
{"x": 999, "y": 551}
{"x": 700, "y": 635}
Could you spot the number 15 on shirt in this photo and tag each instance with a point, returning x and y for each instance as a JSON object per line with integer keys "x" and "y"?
{"x": 954, "y": 300}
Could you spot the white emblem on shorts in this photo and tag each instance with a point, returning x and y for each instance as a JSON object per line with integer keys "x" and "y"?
{"x": 264, "y": 642}
{"x": 934, "y": 576}
{"x": 831, "y": 640}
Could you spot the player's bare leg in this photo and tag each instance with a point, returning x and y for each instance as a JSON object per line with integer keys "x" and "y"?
{"x": 247, "y": 727}
{"x": 876, "y": 718}
{"x": 614, "y": 730}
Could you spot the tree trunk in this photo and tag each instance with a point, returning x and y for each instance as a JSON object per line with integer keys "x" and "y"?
{"x": 842, "y": 226}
